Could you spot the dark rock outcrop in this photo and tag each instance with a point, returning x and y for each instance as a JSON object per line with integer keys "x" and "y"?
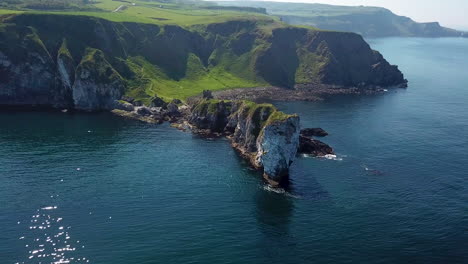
{"x": 176, "y": 101}
{"x": 211, "y": 115}
{"x": 314, "y": 147}
{"x": 314, "y": 132}
{"x": 173, "y": 110}
{"x": 308, "y": 145}
{"x": 143, "y": 111}
{"x": 207, "y": 94}
{"x": 157, "y": 102}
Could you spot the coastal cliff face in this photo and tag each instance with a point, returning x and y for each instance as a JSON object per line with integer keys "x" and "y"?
{"x": 333, "y": 58}
{"x": 264, "y": 136}
{"x": 97, "y": 85}
{"x": 26, "y": 69}
{"x": 87, "y": 63}
{"x": 29, "y": 74}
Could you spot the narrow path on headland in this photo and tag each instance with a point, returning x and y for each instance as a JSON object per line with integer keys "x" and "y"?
{"x": 120, "y": 8}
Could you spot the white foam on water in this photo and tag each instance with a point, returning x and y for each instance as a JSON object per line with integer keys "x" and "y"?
{"x": 274, "y": 189}
{"x": 328, "y": 157}
{"x": 49, "y": 208}
{"x": 332, "y": 157}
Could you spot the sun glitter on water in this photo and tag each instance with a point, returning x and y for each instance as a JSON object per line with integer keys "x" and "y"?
{"x": 48, "y": 239}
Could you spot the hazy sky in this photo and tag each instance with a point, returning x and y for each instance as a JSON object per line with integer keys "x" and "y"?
{"x": 451, "y": 13}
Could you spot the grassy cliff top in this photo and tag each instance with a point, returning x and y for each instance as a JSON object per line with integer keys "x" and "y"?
{"x": 161, "y": 12}
{"x": 263, "y": 113}
{"x": 368, "y": 21}
{"x": 308, "y": 9}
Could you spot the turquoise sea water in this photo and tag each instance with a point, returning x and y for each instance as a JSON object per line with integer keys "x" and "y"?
{"x": 99, "y": 189}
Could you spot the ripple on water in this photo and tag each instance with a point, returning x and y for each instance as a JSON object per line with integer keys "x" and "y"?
{"x": 47, "y": 239}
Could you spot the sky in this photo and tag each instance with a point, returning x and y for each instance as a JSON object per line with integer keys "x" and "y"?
{"x": 450, "y": 13}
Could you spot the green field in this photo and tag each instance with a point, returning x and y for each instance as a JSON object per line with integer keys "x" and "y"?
{"x": 150, "y": 12}
{"x": 6, "y": 12}
{"x": 152, "y": 80}
{"x": 305, "y": 9}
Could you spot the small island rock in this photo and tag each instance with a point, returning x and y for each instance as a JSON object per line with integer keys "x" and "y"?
{"x": 314, "y": 132}
{"x": 314, "y": 147}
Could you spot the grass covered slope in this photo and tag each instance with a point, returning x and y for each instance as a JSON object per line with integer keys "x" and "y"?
{"x": 365, "y": 20}
{"x": 183, "y": 59}
{"x": 169, "y": 61}
{"x": 182, "y": 12}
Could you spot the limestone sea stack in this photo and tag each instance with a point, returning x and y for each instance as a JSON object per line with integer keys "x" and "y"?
{"x": 267, "y": 138}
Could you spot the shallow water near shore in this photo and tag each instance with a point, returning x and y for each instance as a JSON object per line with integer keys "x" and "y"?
{"x": 99, "y": 189}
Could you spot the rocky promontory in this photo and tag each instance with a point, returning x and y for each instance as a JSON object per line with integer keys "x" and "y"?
{"x": 267, "y": 138}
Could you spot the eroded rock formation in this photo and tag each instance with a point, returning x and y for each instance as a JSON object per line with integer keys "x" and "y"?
{"x": 264, "y": 136}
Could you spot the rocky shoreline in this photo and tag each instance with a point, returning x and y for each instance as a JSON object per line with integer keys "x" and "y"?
{"x": 311, "y": 93}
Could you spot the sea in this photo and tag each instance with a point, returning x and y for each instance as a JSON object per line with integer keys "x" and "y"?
{"x": 94, "y": 188}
